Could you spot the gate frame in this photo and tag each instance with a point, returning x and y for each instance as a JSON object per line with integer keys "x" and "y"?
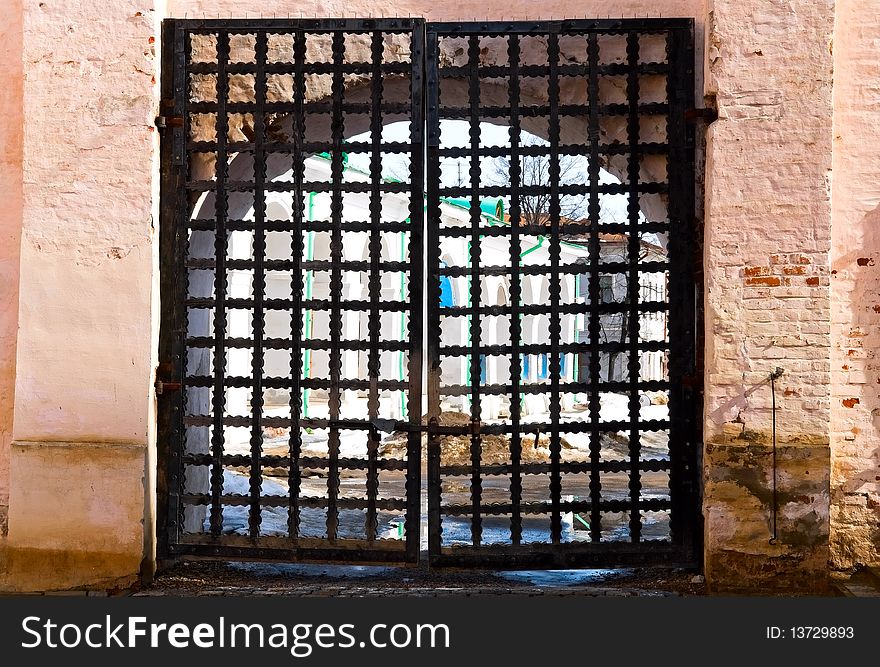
{"x": 173, "y": 214}
{"x": 685, "y": 322}
{"x": 689, "y": 390}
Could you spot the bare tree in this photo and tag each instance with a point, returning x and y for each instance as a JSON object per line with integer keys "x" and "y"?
{"x": 398, "y": 168}
{"x": 535, "y": 173}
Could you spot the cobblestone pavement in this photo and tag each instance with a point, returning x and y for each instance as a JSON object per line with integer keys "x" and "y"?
{"x": 202, "y": 578}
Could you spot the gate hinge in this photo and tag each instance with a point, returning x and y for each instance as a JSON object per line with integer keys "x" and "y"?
{"x": 708, "y": 114}
{"x": 169, "y": 121}
{"x": 164, "y": 387}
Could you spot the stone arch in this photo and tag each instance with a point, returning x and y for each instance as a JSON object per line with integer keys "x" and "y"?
{"x": 453, "y": 52}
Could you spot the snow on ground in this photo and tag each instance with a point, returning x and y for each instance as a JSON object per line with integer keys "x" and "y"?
{"x": 456, "y": 530}
{"x": 313, "y": 521}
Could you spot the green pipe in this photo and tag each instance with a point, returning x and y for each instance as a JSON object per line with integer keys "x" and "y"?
{"x": 468, "y": 366}
{"x": 311, "y": 209}
{"x": 309, "y": 323}
{"x": 525, "y": 252}
{"x": 575, "y": 366}
{"x": 400, "y": 355}
{"x": 540, "y": 243}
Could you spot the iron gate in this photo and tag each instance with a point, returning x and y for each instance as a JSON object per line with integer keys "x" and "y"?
{"x": 561, "y": 402}
{"x": 272, "y": 432}
{"x": 561, "y": 319}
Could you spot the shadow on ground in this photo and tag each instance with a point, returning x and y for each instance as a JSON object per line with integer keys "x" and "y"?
{"x": 203, "y": 578}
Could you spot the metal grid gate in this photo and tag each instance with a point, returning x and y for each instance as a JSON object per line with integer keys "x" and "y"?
{"x": 562, "y": 403}
{"x": 561, "y": 406}
{"x": 261, "y": 246}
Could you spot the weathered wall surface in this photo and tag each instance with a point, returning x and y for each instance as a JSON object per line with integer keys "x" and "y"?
{"x": 84, "y": 357}
{"x": 767, "y": 241}
{"x": 503, "y": 10}
{"x": 80, "y": 485}
{"x": 11, "y": 129}
{"x": 855, "y": 284}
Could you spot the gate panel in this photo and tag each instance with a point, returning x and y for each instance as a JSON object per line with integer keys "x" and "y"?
{"x": 292, "y": 278}
{"x": 561, "y": 300}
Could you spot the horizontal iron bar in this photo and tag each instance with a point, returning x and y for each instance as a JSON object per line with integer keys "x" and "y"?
{"x": 210, "y": 225}
{"x": 642, "y": 187}
{"x": 387, "y": 108}
{"x": 562, "y": 26}
{"x": 565, "y": 467}
{"x": 307, "y": 148}
{"x": 305, "y": 304}
{"x": 537, "y": 348}
{"x": 352, "y": 187}
{"x": 617, "y": 148}
{"x": 305, "y": 462}
{"x": 292, "y": 550}
{"x": 307, "y": 68}
{"x": 570, "y": 387}
{"x": 575, "y": 268}
{"x": 498, "y": 509}
{"x": 284, "y": 26}
{"x": 239, "y": 500}
{"x": 577, "y": 110}
{"x": 203, "y": 342}
{"x": 571, "y": 229}
{"x": 577, "y": 70}
{"x": 288, "y": 265}
{"x": 562, "y": 309}
{"x": 287, "y": 383}
{"x": 541, "y": 555}
{"x": 528, "y": 429}
{"x": 378, "y": 424}
{"x": 327, "y": 265}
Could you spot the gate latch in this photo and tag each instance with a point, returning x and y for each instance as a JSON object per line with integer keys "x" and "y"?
{"x": 163, "y": 385}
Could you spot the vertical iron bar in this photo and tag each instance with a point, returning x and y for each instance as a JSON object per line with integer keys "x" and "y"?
{"x": 433, "y": 292}
{"x": 172, "y": 342}
{"x": 219, "y": 397}
{"x": 259, "y": 283}
{"x": 555, "y": 289}
{"x": 416, "y": 294}
{"x": 684, "y": 398}
{"x": 296, "y": 315}
{"x": 633, "y": 250}
{"x": 513, "y": 57}
{"x": 375, "y": 251}
{"x": 336, "y": 315}
{"x": 475, "y": 215}
{"x": 594, "y": 326}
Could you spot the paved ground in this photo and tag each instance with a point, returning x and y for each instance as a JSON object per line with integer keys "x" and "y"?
{"x": 203, "y": 578}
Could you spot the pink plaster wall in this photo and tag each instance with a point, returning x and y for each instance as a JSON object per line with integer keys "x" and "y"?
{"x": 767, "y": 296}
{"x": 84, "y": 366}
{"x": 855, "y": 284}
{"x": 768, "y": 216}
{"x": 11, "y": 129}
{"x": 437, "y": 11}
{"x": 87, "y": 302}
{"x": 86, "y": 296}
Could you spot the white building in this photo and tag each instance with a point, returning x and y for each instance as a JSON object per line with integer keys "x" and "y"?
{"x": 494, "y": 291}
